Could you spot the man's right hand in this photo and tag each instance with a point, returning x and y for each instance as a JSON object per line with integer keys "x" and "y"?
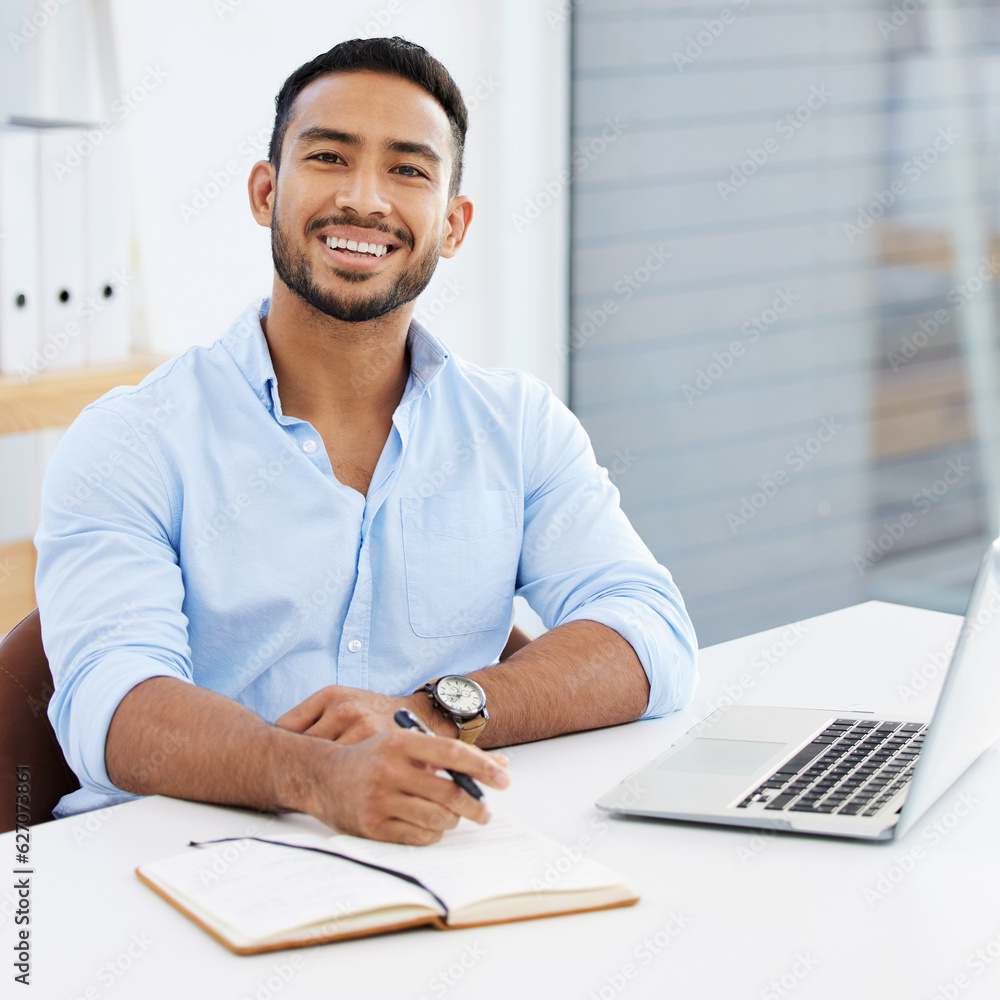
{"x": 387, "y": 788}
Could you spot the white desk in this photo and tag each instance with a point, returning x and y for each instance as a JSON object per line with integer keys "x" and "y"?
{"x": 763, "y": 916}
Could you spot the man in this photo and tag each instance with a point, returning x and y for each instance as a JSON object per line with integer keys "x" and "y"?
{"x": 250, "y": 561}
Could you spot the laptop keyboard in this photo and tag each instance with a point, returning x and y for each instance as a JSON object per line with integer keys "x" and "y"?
{"x": 852, "y": 768}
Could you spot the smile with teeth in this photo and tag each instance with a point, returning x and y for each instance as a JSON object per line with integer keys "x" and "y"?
{"x": 357, "y": 249}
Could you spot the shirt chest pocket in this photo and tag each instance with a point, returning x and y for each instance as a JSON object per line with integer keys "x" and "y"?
{"x": 461, "y": 552}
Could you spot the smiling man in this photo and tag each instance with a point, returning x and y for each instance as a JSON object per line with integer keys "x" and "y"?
{"x": 251, "y": 560}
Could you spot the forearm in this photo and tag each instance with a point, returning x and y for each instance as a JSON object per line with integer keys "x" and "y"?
{"x": 581, "y": 675}
{"x": 172, "y": 738}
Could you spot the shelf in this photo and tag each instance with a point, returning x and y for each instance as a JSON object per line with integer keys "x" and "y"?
{"x": 55, "y": 400}
{"x": 17, "y": 583}
{"x": 924, "y": 249}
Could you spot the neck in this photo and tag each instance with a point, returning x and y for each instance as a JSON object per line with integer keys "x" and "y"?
{"x": 331, "y": 370}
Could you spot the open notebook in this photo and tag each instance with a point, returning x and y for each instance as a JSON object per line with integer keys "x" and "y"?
{"x": 263, "y": 895}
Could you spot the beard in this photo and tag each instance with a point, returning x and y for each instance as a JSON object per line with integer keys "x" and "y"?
{"x": 295, "y": 271}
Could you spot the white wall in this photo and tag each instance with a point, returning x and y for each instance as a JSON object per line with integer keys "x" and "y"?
{"x": 195, "y": 82}
{"x": 222, "y": 63}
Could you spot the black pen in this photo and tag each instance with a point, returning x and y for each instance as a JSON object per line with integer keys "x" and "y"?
{"x": 405, "y": 718}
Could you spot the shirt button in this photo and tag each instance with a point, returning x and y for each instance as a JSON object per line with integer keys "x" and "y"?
{"x": 354, "y": 645}
{"x": 309, "y": 447}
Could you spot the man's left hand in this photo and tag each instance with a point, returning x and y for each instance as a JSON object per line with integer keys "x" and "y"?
{"x": 350, "y": 715}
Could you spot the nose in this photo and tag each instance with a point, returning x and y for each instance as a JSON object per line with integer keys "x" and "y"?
{"x": 361, "y": 192}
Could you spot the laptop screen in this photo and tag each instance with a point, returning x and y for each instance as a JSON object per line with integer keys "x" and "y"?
{"x": 967, "y": 717}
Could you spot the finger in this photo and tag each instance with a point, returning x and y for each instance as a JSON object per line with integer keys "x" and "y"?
{"x": 435, "y": 800}
{"x": 303, "y": 715}
{"x": 398, "y": 831}
{"x": 333, "y": 728}
{"x": 422, "y": 813}
{"x": 329, "y": 728}
{"x": 443, "y": 754}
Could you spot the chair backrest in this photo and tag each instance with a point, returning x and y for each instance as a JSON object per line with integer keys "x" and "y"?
{"x": 26, "y": 737}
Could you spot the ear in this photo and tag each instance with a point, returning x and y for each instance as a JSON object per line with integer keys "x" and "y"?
{"x": 262, "y": 187}
{"x": 456, "y": 225}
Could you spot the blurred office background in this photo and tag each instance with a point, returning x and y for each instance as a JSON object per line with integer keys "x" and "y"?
{"x": 751, "y": 242}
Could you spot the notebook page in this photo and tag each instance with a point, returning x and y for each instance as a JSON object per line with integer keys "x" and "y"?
{"x": 472, "y": 863}
{"x": 261, "y": 889}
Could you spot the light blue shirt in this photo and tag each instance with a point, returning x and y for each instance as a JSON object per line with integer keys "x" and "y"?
{"x": 191, "y": 529}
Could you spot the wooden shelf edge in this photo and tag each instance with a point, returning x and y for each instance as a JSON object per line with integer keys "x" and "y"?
{"x": 55, "y": 399}
{"x": 17, "y": 583}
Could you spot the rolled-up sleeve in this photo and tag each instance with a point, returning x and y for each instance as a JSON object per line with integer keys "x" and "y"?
{"x": 109, "y": 588}
{"x": 581, "y": 559}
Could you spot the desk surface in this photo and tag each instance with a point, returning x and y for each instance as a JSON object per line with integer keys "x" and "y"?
{"x": 725, "y": 913}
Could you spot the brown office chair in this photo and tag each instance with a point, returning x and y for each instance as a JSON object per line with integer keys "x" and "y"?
{"x": 26, "y": 737}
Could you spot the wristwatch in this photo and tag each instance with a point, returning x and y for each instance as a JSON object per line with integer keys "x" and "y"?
{"x": 461, "y": 700}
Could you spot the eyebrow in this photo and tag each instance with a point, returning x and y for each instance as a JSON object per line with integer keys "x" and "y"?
{"x": 318, "y": 133}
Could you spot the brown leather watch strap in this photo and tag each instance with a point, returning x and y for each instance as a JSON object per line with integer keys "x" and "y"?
{"x": 469, "y": 729}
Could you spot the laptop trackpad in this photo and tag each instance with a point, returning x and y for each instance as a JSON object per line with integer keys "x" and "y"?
{"x": 709, "y": 756}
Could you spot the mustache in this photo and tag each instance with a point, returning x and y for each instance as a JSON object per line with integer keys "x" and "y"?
{"x": 350, "y": 220}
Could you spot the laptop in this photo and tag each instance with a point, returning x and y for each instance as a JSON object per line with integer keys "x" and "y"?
{"x": 838, "y": 774}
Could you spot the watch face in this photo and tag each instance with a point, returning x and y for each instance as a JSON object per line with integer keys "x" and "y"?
{"x": 461, "y": 695}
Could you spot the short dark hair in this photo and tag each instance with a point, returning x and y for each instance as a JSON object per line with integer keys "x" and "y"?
{"x": 393, "y": 56}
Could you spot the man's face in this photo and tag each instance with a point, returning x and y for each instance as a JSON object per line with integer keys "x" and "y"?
{"x": 366, "y": 159}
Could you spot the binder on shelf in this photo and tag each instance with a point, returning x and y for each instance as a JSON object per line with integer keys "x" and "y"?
{"x": 105, "y": 308}
{"x": 62, "y": 177}
{"x": 20, "y": 280}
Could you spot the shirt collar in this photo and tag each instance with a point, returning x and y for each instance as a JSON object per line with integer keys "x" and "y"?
{"x": 246, "y": 342}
